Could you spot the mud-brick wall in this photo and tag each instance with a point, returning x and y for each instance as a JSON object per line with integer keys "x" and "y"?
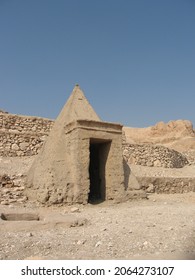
{"x": 167, "y": 185}
{"x": 22, "y": 135}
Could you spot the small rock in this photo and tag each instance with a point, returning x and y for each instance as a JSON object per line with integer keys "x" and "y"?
{"x": 29, "y": 234}
{"x": 151, "y": 188}
{"x": 98, "y": 244}
{"x": 81, "y": 242}
{"x": 157, "y": 163}
{"x": 23, "y": 146}
{"x": 170, "y": 228}
{"x": 4, "y": 203}
{"x": 12, "y": 200}
{"x": 74, "y": 210}
{"x": 6, "y": 191}
{"x": 23, "y": 199}
{"x": 15, "y": 147}
{"x": 145, "y": 243}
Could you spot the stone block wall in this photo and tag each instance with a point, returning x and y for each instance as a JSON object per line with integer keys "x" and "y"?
{"x": 151, "y": 155}
{"x": 22, "y": 135}
{"x": 167, "y": 185}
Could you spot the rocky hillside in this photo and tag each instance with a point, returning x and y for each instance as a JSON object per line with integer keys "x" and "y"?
{"x": 178, "y": 135}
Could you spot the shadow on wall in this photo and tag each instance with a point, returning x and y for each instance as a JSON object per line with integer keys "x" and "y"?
{"x": 127, "y": 172}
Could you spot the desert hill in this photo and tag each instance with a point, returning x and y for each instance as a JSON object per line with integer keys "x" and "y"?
{"x": 178, "y": 135}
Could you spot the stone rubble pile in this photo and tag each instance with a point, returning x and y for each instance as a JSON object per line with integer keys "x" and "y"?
{"x": 151, "y": 155}
{"x": 11, "y": 190}
{"x": 167, "y": 185}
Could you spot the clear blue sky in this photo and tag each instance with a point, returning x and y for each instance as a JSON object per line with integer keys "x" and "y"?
{"x": 134, "y": 59}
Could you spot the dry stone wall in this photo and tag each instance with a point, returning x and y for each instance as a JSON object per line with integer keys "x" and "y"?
{"x": 167, "y": 185}
{"x": 22, "y": 135}
{"x": 151, "y": 155}
{"x": 16, "y": 123}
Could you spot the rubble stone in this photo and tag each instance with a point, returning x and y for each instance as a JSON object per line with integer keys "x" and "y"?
{"x": 153, "y": 155}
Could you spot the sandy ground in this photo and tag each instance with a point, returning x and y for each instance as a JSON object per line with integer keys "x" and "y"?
{"x": 161, "y": 227}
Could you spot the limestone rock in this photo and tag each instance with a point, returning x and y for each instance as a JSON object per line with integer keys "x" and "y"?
{"x": 74, "y": 210}
{"x": 24, "y": 145}
{"x": 19, "y": 217}
{"x": 98, "y": 244}
{"x": 151, "y": 188}
{"x": 178, "y": 135}
{"x": 15, "y": 147}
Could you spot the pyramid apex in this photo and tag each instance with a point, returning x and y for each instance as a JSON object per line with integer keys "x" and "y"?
{"x": 76, "y": 87}
{"x": 77, "y": 107}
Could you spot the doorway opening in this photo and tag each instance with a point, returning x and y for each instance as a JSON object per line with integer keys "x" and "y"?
{"x": 99, "y": 150}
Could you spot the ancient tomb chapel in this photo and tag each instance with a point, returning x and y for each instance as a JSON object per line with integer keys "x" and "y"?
{"x": 81, "y": 160}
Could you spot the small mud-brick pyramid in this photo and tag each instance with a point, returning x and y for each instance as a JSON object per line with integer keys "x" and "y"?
{"x": 81, "y": 160}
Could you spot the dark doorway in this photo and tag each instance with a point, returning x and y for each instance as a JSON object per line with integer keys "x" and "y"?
{"x": 98, "y": 156}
